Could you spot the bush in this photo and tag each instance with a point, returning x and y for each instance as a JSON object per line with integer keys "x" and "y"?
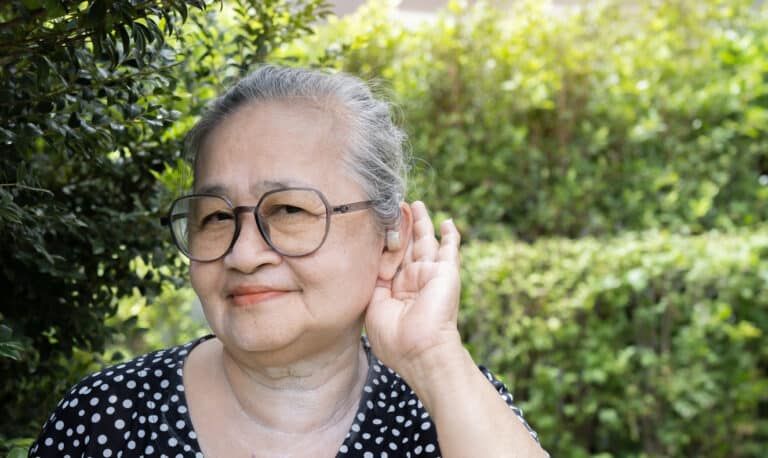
{"x": 641, "y": 345}
{"x": 78, "y": 129}
{"x": 96, "y": 98}
{"x": 604, "y": 119}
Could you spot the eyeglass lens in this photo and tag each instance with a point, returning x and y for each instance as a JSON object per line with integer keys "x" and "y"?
{"x": 293, "y": 222}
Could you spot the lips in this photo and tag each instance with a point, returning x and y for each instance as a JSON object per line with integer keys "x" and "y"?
{"x": 249, "y": 295}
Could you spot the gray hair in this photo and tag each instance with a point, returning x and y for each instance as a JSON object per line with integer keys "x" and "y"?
{"x": 376, "y": 156}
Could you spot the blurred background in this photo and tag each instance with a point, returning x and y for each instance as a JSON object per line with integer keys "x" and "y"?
{"x": 606, "y": 163}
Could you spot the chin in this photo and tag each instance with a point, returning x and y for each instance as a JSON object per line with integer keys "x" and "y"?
{"x": 283, "y": 335}
{"x": 260, "y": 340}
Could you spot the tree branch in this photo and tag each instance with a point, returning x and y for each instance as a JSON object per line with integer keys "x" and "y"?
{"x": 25, "y": 187}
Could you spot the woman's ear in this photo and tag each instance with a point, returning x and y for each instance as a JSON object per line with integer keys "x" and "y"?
{"x": 396, "y": 244}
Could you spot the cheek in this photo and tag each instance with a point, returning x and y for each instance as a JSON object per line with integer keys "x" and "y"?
{"x": 348, "y": 271}
{"x": 202, "y": 279}
{"x": 343, "y": 291}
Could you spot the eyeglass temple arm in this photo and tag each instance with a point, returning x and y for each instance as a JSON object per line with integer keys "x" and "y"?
{"x": 355, "y": 206}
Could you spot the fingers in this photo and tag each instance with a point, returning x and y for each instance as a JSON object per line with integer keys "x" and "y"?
{"x": 409, "y": 252}
{"x": 449, "y": 243}
{"x": 425, "y": 246}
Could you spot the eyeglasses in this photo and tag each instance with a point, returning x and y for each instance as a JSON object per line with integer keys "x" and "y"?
{"x": 293, "y": 221}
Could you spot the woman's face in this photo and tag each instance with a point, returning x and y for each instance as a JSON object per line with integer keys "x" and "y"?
{"x": 255, "y": 299}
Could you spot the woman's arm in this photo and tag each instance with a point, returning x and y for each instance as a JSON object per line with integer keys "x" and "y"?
{"x": 471, "y": 417}
{"x": 411, "y": 324}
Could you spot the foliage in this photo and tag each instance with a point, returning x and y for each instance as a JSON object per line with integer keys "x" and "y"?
{"x": 76, "y": 78}
{"x": 97, "y": 96}
{"x": 586, "y": 122}
{"x": 175, "y": 317}
{"x": 642, "y": 345}
{"x": 9, "y": 346}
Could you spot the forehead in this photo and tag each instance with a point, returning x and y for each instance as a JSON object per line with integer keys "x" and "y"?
{"x": 265, "y": 145}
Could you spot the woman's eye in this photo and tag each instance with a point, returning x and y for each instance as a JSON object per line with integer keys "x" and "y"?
{"x": 282, "y": 210}
{"x": 290, "y": 209}
{"x": 216, "y": 217}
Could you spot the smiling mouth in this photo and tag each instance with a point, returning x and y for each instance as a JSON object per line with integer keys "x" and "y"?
{"x": 251, "y": 298}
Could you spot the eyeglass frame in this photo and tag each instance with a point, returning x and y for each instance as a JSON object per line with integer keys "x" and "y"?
{"x": 330, "y": 210}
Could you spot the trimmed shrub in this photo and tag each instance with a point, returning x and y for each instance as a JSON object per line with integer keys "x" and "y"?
{"x": 588, "y": 122}
{"x": 641, "y": 345}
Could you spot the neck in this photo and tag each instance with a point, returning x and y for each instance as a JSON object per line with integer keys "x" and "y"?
{"x": 301, "y": 396}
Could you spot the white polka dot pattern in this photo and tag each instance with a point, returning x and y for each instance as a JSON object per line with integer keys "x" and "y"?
{"x": 138, "y": 408}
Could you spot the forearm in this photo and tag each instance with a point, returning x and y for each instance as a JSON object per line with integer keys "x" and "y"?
{"x": 470, "y": 416}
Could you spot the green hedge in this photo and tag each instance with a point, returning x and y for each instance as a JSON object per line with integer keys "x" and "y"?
{"x": 605, "y": 119}
{"x": 641, "y": 345}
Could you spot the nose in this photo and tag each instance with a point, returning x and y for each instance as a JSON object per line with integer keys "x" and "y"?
{"x": 250, "y": 251}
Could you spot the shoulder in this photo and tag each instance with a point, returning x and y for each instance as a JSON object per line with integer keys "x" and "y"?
{"x": 118, "y": 408}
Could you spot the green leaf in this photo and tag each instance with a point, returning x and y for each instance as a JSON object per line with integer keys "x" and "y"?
{"x": 17, "y": 452}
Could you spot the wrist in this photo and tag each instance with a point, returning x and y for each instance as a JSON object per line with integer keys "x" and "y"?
{"x": 439, "y": 371}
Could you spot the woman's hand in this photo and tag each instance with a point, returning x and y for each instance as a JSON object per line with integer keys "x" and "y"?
{"x": 411, "y": 320}
{"x": 411, "y": 324}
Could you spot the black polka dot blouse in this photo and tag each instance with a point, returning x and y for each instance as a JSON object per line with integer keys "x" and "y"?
{"x": 138, "y": 409}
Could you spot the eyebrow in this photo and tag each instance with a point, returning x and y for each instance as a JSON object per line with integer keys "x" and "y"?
{"x": 211, "y": 189}
{"x": 258, "y": 188}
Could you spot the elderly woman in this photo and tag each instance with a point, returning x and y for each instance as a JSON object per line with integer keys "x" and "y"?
{"x": 298, "y": 238}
